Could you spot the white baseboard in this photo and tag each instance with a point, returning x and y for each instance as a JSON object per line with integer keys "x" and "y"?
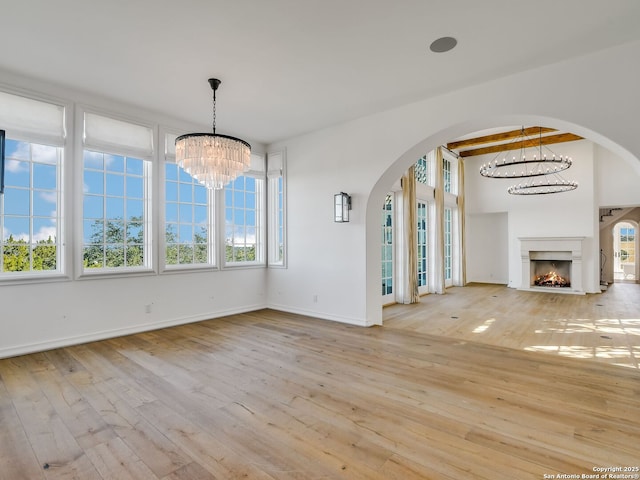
{"x": 323, "y": 316}
{"x": 119, "y": 332}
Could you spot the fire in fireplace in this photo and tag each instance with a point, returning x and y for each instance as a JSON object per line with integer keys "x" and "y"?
{"x": 551, "y": 279}
{"x": 551, "y": 273}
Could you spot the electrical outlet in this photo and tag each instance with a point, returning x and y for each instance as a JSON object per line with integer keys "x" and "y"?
{"x": 147, "y": 308}
{"x": 315, "y": 298}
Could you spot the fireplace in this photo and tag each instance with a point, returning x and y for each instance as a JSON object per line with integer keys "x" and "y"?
{"x": 552, "y": 264}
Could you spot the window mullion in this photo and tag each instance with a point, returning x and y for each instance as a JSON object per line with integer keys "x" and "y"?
{"x": 212, "y": 240}
{"x": 147, "y": 208}
{"x": 31, "y": 199}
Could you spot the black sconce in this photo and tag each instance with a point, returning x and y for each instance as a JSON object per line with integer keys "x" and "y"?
{"x": 342, "y": 205}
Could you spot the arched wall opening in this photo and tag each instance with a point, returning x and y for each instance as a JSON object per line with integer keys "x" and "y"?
{"x": 446, "y": 134}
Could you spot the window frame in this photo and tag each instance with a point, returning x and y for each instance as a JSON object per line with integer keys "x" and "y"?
{"x": 149, "y": 266}
{"x": 425, "y": 257}
{"x": 424, "y": 169}
{"x": 388, "y": 244}
{"x": 448, "y": 252}
{"x": 64, "y": 261}
{"x": 258, "y": 173}
{"x": 451, "y": 203}
{"x": 169, "y": 136}
{"x": 276, "y": 172}
{"x": 31, "y": 190}
{"x": 624, "y": 243}
{"x": 629, "y": 244}
{"x": 425, "y": 193}
{"x": 450, "y": 184}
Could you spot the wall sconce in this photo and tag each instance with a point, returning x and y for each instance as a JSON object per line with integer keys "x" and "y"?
{"x": 342, "y": 204}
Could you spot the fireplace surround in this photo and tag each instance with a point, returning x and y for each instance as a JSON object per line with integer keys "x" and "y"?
{"x": 561, "y": 256}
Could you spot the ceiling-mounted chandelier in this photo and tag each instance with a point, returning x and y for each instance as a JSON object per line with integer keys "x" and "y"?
{"x": 541, "y": 167}
{"x": 213, "y": 159}
{"x": 542, "y": 187}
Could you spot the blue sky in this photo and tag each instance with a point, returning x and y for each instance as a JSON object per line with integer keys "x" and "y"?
{"x": 17, "y": 202}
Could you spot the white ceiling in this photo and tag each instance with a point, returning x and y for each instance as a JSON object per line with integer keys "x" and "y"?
{"x": 292, "y": 66}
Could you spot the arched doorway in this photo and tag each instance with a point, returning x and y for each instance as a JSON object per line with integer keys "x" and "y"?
{"x": 625, "y": 247}
{"x": 380, "y": 191}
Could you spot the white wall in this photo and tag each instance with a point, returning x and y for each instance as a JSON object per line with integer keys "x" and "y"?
{"x": 488, "y": 247}
{"x": 594, "y": 96}
{"x": 47, "y": 315}
{"x": 617, "y": 182}
{"x": 324, "y": 271}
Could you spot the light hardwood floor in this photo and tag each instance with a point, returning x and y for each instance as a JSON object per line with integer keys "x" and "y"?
{"x": 603, "y": 327}
{"x": 269, "y": 395}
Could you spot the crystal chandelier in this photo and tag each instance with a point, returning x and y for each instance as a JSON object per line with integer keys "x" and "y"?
{"x": 543, "y": 169}
{"x": 213, "y": 159}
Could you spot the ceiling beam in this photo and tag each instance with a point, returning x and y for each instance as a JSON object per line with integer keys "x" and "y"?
{"x": 498, "y": 137}
{"x": 560, "y": 138}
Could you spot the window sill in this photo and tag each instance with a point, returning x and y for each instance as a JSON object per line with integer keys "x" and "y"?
{"x": 171, "y": 269}
{"x": 115, "y": 273}
{"x": 26, "y": 279}
{"x": 239, "y": 265}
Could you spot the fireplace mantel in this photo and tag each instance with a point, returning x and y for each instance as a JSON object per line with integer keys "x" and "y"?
{"x": 563, "y": 247}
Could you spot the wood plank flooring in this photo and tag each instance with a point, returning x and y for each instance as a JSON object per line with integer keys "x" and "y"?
{"x": 602, "y": 327}
{"x": 270, "y": 395}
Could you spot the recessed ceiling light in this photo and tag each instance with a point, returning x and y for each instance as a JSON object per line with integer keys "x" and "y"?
{"x": 443, "y": 44}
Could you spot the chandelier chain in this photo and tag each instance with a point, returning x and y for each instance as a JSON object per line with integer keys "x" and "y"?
{"x": 214, "y": 111}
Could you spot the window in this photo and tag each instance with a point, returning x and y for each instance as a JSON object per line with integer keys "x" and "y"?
{"x": 30, "y": 208}
{"x": 435, "y": 259}
{"x": 114, "y": 218}
{"x": 451, "y": 253}
{"x": 243, "y": 214}
{"x": 387, "y": 246}
{"x": 449, "y": 172}
{"x": 425, "y": 180}
{"x": 116, "y": 203}
{"x": 187, "y": 238}
{"x": 422, "y": 171}
{"x": 278, "y": 187}
{"x": 276, "y": 208}
{"x": 448, "y": 246}
{"x": 187, "y": 223}
{"x": 446, "y": 172}
{"x": 31, "y": 219}
{"x": 191, "y": 233}
{"x": 627, "y": 243}
{"x": 422, "y": 244}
